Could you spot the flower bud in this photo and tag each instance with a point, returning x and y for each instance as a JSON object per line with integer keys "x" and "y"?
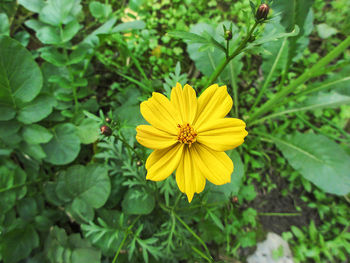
{"x": 228, "y": 35}
{"x": 262, "y": 12}
{"x": 105, "y": 130}
{"x": 108, "y": 120}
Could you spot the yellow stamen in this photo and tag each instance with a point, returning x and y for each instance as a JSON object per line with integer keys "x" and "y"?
{"x": 186, "y": 134}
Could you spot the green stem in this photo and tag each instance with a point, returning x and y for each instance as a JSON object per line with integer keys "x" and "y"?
{"x": 279, "y": 214}
{"x": 269, "y": 76}
{"x": 227, "y": 60}
{"x": 124, "y": 239}
{"x": 201, "y": 254}
{"x": 302, "y": 79}
{"x": 195, "y": 235}
{"x": 124, "y": 141}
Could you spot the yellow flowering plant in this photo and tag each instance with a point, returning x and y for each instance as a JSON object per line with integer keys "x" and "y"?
{"x": 190, "y": 135}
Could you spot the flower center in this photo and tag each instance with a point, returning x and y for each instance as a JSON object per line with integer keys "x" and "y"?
{"x": 186, "y": 134}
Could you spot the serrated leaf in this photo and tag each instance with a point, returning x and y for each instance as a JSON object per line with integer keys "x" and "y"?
{"x": 64, "y": 146}
{"x": 319, "y": 160}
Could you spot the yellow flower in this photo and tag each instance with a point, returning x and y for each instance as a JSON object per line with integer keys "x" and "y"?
{"x": 190, "y": 135}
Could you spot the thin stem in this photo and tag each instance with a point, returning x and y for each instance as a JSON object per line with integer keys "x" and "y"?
{"x": 302, "y": 79}
{"x": 124, "y": 141}
{"x": 127, "y": 231}
{"x": 195, "y": 235}
{"x": 269, "y": 76}
{"x": 279, "y": 214}
{"x": 201, "y": 253}
{"x": 227, "y": 60}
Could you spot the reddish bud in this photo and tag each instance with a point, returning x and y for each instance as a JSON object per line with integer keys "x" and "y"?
{"x": 105, "y": 130}
{"x": 262, "y": 12}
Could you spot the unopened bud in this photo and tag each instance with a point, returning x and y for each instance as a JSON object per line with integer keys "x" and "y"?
{"x": 228, "y": 35}
{"x": 262, "y": 12}
{"x": 139, "y": 163}
{"x": 105, "y": 130}
{"x": 108, "y": 120}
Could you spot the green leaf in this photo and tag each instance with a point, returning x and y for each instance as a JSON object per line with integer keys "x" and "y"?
{"x": 138, "y": 203}
{"x": 325, "y": 31}
{"x": 19, "y": 243}
{"x": 86, "y": 255}
{"x": 20, "y": 77}
{"x": 106, "y": 28}
{"x": 88, "y": 131}
{"x": 61, "y": 248}
{"x": 137, "y": 24}
{"x": 37, "y": 109}
{"x": 57, "y": 12}
{"x": 321, "y": 100}
{"x": 319, "y": 160}
{"x": 64, "y": 147}
{"x": 207, "y": 57}
{"x": 52, "y": 55}
{"x": 33, "y": 5}
{"x": 4, "y": 25}
{"x": 33, "y": 150}
{"x": 35, "y": 134}
{"x": 90, "y": 184}
{"x": 11, "y": 176}
{"x": 99, "y": 10}
{"x": 81, "y": 211}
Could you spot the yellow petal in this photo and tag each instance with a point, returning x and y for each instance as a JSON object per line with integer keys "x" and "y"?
{"x": 189, "y": 177}
{"x": 222, "y": 134}
{"x": 214, "y": 103}
{"x": 160, "y": 113}
{"x": 154, "y": 138}
{"x": 185, "y": 101}
{"x": 217, "y": 167}
{"x": 161, "y": 163}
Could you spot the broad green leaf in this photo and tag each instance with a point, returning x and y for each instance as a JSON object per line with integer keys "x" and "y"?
{"x": 11, "y": 176}
{"x": 58, "y": 12}
{"x": 138, "y": 203}
{"x": 37, "y": 109}
{"x": 64, "y": 147}
{"x": 99, "y": 10}
{"x": 137, "y": 24}
{"x": 81, "y": 211}
{"x": 325, "y": 31}
{"x": 35, "y": 134}
{"x": 86, "y": 255}
{"x": 319, "y": 160}
{"x": 4, "y": 25}
{"x": 90, "y": 184}
{"x": 33, "y": 150}
{"x": 88, "y": 131}
{"x": 52, "y": 55}
{"x": 19, "y": 243}
{"x": 7, "y": 113}
{"x": 20, "y": 77}
{"x": 61, "y": 248}
{"x": 33, "y": 5}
